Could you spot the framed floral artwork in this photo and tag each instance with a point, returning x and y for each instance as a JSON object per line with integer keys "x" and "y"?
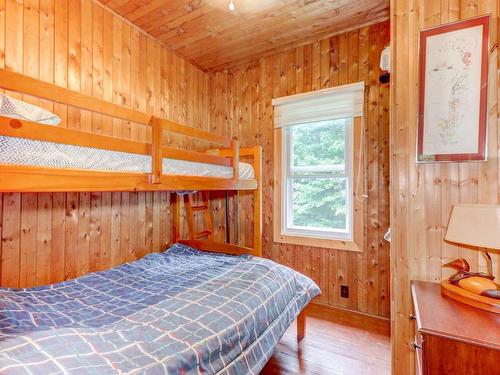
{"x": 452, "y": 119}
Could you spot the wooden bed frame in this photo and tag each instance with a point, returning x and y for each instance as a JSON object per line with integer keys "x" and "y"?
{"x": 20, "y": 178}
{"x": 13, "y": 178}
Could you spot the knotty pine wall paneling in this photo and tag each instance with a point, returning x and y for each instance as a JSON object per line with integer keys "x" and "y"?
{"x": 423, "y": 194}
{"x": 81, "y": 45}
{"x": 241, "y": 106}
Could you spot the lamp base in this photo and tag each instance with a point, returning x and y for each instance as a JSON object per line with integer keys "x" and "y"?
{"x": 472, "y": 299}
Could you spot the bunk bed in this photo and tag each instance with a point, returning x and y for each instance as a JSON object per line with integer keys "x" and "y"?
{"x": 179, "y": 311}
{"x": 40, "y": 158}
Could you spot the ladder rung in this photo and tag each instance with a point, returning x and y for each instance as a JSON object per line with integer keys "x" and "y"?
{"x": 199, "y": 208}
{"x": 205, "y": 233}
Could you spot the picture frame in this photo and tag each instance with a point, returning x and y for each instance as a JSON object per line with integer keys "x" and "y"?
{"x": 452, "y": 118}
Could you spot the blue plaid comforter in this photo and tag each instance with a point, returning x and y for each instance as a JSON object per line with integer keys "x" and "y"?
{"x": 179, "y": 312}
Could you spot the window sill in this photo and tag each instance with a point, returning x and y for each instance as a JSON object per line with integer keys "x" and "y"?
{"x": 337, "y": 244}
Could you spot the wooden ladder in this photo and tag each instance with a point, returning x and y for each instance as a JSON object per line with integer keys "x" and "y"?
{"x": 191, "y": 210}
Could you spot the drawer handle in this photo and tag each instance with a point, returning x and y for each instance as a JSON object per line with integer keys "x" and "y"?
{"x": 416, "y": 346}
{"x": 412, "y": 317}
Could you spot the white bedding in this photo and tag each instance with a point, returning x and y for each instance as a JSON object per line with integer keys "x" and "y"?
{"x": 13, "y": 108}
{"x": 21, "y": 151}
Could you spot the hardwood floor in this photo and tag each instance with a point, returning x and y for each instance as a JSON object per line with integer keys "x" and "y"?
{"x": 331, "y": 348}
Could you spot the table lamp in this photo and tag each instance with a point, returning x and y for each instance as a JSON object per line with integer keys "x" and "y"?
{"x": 476, "y": 225}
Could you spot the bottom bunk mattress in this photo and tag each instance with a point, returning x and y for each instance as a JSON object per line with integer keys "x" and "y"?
{"x": 182, "y": 311}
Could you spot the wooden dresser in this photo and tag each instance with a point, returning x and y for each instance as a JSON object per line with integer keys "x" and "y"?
{"x": 453, "y": 338}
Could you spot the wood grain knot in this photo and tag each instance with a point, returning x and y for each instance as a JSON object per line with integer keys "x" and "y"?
{"x": 16, "y": 124}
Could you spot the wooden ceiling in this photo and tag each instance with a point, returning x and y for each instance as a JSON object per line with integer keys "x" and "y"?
{"x": 212, "y": 37}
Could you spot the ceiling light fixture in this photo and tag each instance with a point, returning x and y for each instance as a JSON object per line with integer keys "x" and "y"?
{"x": 231, "y": 6}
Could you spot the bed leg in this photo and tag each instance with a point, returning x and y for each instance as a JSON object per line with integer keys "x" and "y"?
{"x": 301, "y": 326}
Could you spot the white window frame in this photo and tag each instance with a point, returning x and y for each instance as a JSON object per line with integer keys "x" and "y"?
{"x": 287, "y": 229}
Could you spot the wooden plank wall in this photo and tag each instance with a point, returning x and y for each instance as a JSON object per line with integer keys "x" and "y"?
{"x": 241, "y": 106}
{"x": 422, "y": 195}
{"x": 80, "y": 45}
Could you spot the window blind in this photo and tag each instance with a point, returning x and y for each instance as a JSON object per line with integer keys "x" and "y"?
{"x": 327, "y": 104}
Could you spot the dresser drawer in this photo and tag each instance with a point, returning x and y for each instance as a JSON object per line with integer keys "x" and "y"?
{"x": 417, "y": 346}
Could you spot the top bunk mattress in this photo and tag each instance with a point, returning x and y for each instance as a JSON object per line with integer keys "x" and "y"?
{"x": 179, "y": 312}
{"x": 20, "y": 151}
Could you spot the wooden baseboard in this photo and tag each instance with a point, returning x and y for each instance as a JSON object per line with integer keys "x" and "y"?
{"x": 351, "y": 318}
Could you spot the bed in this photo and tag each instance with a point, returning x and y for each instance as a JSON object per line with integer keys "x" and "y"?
{"x": 20, "y": 151}
{"x": 183, "y": 311}
{"x": 38, "y": 155}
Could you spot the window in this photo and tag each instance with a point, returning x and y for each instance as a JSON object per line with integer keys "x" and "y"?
{"x": 317, "y": 176}
{"x": 317, "y": 159}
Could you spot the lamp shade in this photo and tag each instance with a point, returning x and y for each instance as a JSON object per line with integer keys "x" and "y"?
{"x": 475, "y": 225}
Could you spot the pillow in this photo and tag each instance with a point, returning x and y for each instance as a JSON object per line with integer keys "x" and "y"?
{"x": 13, "y": 108}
